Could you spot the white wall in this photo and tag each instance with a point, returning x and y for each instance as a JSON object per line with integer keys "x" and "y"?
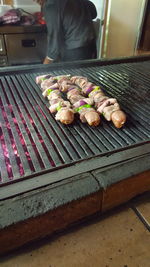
{"x": 28, "y": 5}
{"x": 123, "y": 28}
{"x": 99, "y": 6}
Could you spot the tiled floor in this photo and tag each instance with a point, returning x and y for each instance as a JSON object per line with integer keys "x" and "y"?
{"x": 143, "y": 207}
{"x": 118, "y": 239}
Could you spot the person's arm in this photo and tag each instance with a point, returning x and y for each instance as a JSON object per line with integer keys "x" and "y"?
{"x": 50, "y": 14}
{"x": 48, "y": 60}
{"x": 51, "y": 18}
{"x": 92, "y": 9}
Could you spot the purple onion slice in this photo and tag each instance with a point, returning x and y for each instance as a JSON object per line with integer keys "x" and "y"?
{"x": 89, "y": 90}
{"x": 80, "y": 103}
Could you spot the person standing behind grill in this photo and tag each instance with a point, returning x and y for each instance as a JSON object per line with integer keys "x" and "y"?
{"x": 71, "y": 34}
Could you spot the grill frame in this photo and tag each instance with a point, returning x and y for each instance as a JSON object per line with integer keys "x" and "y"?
{"x": 92, "y": 62}
{"x": 86, "y": 163}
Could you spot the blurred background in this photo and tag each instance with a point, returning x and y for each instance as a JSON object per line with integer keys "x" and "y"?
{"x": 122, "y": 29}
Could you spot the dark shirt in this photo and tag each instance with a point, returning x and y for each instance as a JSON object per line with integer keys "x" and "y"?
{"x": 69, "y": 24}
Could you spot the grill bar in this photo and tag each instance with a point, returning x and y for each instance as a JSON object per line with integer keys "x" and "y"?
{"x": 34, "y": 143}
{"x": 18, "y": 117}
{"x": 32, "y": 124}
{"x": 77, "y": 132}
{"x": 100, "y": 78}
{"x": 135, "y": 105}
{"x": 141, "y": 112}
{"x": 55, "y": 127}
{"x": 9, "y": 152}
{"x": 37, "y": 126}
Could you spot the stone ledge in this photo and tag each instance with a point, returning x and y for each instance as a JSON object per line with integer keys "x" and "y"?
{"x": 40, "y": 201}
{"x": 62, "y": 216}
{"x": 32, "y": 229}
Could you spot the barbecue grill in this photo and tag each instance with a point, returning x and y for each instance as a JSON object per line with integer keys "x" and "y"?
{"x": 37, "y": 151}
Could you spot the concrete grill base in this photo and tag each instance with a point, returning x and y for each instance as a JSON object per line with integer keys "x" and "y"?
{"x": 15, "y": 235}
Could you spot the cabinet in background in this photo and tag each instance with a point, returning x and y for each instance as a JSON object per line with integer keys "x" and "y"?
{"x": 20, "y": 45}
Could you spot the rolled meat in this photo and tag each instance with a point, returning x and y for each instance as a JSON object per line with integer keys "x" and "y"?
{"x": 65, "y": 115}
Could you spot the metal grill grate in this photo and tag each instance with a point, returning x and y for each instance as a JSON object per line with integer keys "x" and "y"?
{"x": 32, "y": 142}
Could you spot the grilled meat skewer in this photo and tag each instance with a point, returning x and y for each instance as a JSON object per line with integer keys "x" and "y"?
{"x": 62, "y": 108}
{"x": 109, "y": 107}
{"x": 81, "y": 105}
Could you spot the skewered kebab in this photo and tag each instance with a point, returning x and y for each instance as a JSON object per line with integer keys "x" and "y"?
{"x": 109, "y": 107}
{"x": 81, "y": 105}
{"x": 62, "y": 108}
